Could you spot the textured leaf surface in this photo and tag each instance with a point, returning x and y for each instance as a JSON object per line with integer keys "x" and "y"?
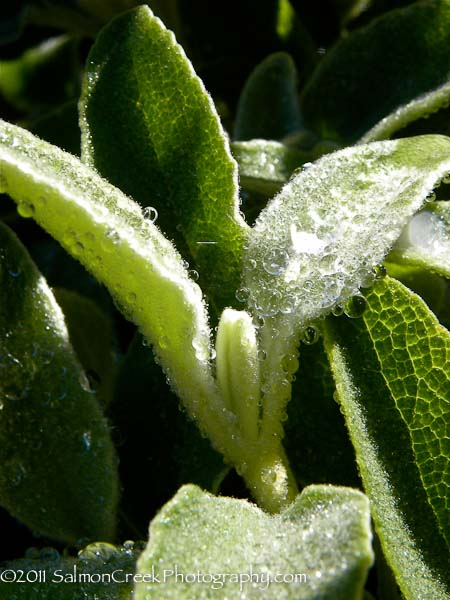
{"x": 405, "y": 55}
{"x": 57, "y": 463}
{"x": 269, "y": 106}
{"x": 53, "y": 576}
{"x": 391, "y": 372}
{"x": 107, "y": 232}
{"x": 151, "y": 129}
{"x": 316, "y": 242}
{"x": 425, "y": 241}
{"x": 325, "y": 535}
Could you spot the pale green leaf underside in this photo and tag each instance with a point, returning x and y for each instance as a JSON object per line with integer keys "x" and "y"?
{"x": 317, "y": 241}
{"x": 325, "y": 535}
{"x": 152, "y": 130}
{"x": 58, "y": 469}
{"x": 391, "y": 373}
{"x": 106, "y": 231}
{"x": 425, "y": 241}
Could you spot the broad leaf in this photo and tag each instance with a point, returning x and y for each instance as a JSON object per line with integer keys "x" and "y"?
{"x": 100, "y": 571}
{"x": 269, "y": 105}
{"x": 107, "y": 232}
{"x": 320, "y": 239}
{"x": 57, "y": 463}
{"x": 425, "y": 241}
{"x": 323, "y": 539}
{"x": 391, "y": 374}
{"x": 150, "y": 128}
{"x": 317, "y": 241}
{"x": 405, "y": 55}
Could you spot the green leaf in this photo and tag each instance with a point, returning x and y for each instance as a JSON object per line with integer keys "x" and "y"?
{"x": 107, "y": 232}
{"x": 57, "y": 463}
{"x": 319, "y": 240}
{"x": 405, "y": 55}
{"x": 325, "y": 536}
{"x": 316, "y": 242}
{"x": 264, "y": 165}
{"x": 269, "y": 105}
{"x": 92, "y": 337}
{"x": 425, "y": 242}
{"x": 392, "y": 383}
{"x": 151, "y": 129}
{"x": 175, "y": 452}
{"x": 100, "y": 571}
{"x": 28, "y": 82}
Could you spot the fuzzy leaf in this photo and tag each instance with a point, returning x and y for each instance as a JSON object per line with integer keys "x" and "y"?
{"x": 405, "y": 55}
{"x": 390, "y": 369}
{"x": 269, "y": 106}
{"x": 106, "y": 231}
{"x": 324, "y": 535}
{"x": 57, "y": 463}
{"x": 425, "y": 241}
{"x": 316, "y": 242}
{"x": 151, "y": 129}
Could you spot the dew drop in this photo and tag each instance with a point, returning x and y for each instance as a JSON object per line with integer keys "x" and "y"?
{"x": 355, "y": 306}
{"x": 150, "y": 214}
{"x": 25, "y": 209}
{"x": 275, "y": 262}
{"x": 379, "y": 271}
{"x": 193, "y": 274}
{"x": 337, "y": 310}
{"x": 87, "y": 440}
{"x": 163, "y": 342}
{"x": 242, "y": 294}
{"x": 431, "y": 197}
{"x": 310, "y": 335}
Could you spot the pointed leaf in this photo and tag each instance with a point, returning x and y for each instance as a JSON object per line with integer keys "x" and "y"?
{"x": 57, "y": 463}
{"x": 151, "y": 129}
{"x": 405, "y": 55}
{"x": 316, "y": 242}
{"x": 269, "y": 105}
{"x": 106, "y": 231}
{"x": 425, "y": 241}
{"x": 324, "y": 536}
{"x": 390, "y": 369}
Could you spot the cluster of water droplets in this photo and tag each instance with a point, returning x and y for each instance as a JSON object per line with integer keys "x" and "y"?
{"x": 322, "y": 239}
